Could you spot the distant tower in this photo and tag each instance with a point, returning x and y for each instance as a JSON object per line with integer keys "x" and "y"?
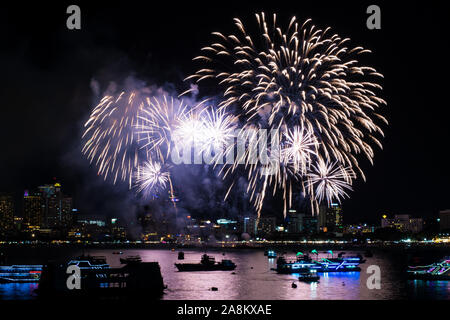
{"x": 6, "y": 212}
{"x": 33, "y": 208}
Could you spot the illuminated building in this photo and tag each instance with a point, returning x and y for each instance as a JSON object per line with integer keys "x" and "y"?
{"x": 47, "y": 207}
{"x": 403, "y": 223}
{"x": 266, "y": 226}
{"x": 358, "y": 229}
{"x": 294, "y": 221}
{"x": 310, "y": 224}
{"x": 331, "y": 218}
{"x": 57, "y": 207}
{"x": 6, "y": 212}
{"x": 33, "y": 208}
{"x": 444, "y": 220}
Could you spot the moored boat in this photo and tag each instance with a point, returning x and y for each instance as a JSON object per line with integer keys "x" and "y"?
{"x": 20, "y": 273}
{"x": 304, "y": 262}
{"x": 136, "y": 280}
{"x": 207, "y": 263}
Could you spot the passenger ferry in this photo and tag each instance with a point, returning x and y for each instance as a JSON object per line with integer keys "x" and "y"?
{"x": 20, "y": 273}
{"x": 305, "y": 263}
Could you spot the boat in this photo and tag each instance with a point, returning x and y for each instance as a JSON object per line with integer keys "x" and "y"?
{"x": 20, "y": 273}
{"x": 305, "y": 263}
{"x": 310, "y": 276}
{"x": 135, "y": 280}
{"x": 181, "y": 255}
{"x": 271, "y": 254}
{"x": 207, "y": 263}
{"x": 434, "y": 271}
{"x": 131, "y": 259}
{"x": 338, "y": 265}
{"x": 342, "y": 257}
{"x": 117, "y": 252}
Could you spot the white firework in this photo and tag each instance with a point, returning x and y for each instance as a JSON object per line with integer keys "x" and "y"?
{"x": 151, "y": 178}
{"x": 329, "y": 181}
{"x": 300, "y": 145}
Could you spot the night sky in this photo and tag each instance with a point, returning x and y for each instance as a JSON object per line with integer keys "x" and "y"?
{"x": 47, "y": 73}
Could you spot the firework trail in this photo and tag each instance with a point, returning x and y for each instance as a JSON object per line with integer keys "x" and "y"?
{"x": 298, "y": 77}
{"x": 109, "y": 136}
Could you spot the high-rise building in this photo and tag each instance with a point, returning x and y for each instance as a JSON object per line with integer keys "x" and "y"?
{"x": 33, "y": 208}
{"x": 48, "y": 207}
{"x": 331, "y": 218}
{"x": 249, "y": 225}
{"x": 58, "y": 207}
{"x": 294, "y": 221}
{"x": 310, "y": 224}
{"x": 6, "y": 212}
{"x": 335, "y": 218}
{"x": 266, "y": 226}
{"x": 444, "y": 220}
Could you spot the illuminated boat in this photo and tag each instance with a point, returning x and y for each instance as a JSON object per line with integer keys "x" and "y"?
{"x": 341, "y": 265}
{"x": 207, "y": 263}
{"x": 20, "y": 273}
{"x": 271, "y": 254}
{"x": 435, "y": 271}
{"x": 343, "y": 260}
{"x": 305, "y": 263}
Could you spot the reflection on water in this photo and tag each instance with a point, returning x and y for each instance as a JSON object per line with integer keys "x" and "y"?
{"x": 253, "y": 279}
{"x": 17, "y": 291}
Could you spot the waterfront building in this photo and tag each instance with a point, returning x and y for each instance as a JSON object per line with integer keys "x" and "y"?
{"x": 331, "y": 218}
{"x": 249, "y": 225}
{"x": 33, "y": 209}
{"x": 444, "y": 220}
{"x": 357, "y": 229}
{"x": 58, "y": 207}
{"x": 403, "y": 223}
{"x": 6, "y": 212}
{"x": 266, "y": 226}
{"x": 310, "y": 224}
{"x": 294, "y": 221}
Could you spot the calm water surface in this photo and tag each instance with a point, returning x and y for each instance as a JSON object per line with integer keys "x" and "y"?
{"x": 253, "y": 278}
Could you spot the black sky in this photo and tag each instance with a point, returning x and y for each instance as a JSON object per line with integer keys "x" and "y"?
{"x": 46, "y": 72}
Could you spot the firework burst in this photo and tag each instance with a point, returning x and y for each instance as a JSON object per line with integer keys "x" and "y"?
{"x": 296, "y": 77}
{"x": 300, "y": 146}
{"x": 329, "y": 181}
{"x": 151, "y": 178}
